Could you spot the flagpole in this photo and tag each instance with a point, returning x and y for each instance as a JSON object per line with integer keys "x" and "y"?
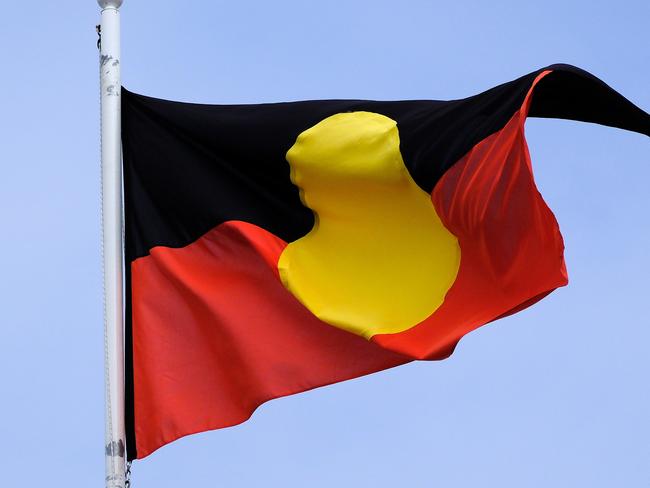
{"x": 111, "y": 154}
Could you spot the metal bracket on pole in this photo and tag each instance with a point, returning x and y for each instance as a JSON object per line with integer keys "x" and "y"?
{"x": 111, "y": 155}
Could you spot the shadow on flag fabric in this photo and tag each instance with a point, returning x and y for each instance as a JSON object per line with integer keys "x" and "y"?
{"x": 276, "y": 248}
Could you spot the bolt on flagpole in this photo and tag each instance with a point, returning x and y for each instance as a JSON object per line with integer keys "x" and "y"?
{"x": 111, "y": 154}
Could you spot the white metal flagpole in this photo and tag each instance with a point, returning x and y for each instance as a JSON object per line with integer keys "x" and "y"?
{"x": 111, "y": 150}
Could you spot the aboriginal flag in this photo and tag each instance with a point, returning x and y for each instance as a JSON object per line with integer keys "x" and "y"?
{"x": 275, "y": 248}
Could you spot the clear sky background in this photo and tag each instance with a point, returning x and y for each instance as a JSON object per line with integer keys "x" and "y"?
{"x": 556, "y": 396}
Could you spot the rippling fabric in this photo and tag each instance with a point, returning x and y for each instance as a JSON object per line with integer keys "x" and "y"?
{"x": 275, "y": 248}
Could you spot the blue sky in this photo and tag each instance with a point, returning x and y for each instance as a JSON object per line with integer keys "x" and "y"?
{"x": 554, "y": 396}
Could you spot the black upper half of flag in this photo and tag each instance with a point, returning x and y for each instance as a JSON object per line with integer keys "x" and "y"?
{"x": 189, "y": 167}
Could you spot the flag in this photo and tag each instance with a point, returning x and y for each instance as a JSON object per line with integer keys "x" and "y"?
{"x": 275, "y": 248}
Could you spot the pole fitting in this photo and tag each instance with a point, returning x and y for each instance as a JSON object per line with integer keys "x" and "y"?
{"x": 104, "y": 4}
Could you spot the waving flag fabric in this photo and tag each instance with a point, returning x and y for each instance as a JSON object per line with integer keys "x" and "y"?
{"x": 275, "y": 248}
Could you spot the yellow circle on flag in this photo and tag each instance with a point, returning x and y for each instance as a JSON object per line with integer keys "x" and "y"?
{"x": 378, "y": 259}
